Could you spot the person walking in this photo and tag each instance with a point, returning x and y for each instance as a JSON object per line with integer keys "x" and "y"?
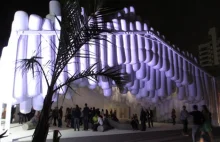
{"x": 207, "y": 126}
{"x": 197, "y": 121}
{"x": 184, "y": 118}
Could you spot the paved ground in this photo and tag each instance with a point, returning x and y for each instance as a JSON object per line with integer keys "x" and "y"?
{"x": 162, "y": 132}
{"x": 157, "y": 136}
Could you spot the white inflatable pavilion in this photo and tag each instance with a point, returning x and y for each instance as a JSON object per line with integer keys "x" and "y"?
{"x": 156, "y": 68}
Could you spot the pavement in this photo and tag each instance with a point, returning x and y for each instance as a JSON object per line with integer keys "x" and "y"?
{"x": 162, "y": 132}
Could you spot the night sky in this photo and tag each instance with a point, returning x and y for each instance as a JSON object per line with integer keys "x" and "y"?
{"x": 184, "y": 23}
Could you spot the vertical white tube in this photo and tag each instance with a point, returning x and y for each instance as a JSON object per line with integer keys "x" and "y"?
{"x": 33, "y": 49}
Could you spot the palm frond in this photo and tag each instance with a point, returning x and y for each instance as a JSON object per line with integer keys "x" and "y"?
{"x": 91, "y": 73}
{"x": 27, "y": 65}
{"x": 32, "y": 64}
{"x": 77, "y": 31}
{"x": 3, "y": 134}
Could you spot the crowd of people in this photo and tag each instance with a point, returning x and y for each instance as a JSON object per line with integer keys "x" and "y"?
{"x": 76, "y": 117}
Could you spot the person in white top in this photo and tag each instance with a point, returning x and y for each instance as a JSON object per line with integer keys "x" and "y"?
{"x": 98, "y": 123}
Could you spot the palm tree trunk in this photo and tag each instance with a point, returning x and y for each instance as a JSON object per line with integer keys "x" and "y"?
{"x": 42, "y": 129}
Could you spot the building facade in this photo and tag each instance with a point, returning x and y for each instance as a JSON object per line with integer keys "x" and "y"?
{"x": 209, "y": 52}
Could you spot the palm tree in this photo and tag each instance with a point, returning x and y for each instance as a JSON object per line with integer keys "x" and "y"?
{"x": 75, "y": 32}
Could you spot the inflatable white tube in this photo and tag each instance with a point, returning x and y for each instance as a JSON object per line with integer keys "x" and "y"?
{"x": 162, "y": 92}
{"x": 140, "y": 41}
{"x": 170, "y": 72}
{"x": 141, "y": 73}
{"x": 165, "y": 65}
{"x": 33, "y": 47}
{"x": 158, "y": 79}
{"x": 38, "y": 102}
{"x": 134, "y": 49}
{"x": 126, "y": 42}
{"x": 149, "y": 53}
{"x": 20, "y": 87}
{"x": 47, "y": 52}
{"x": 155, "y": 58}
{"x": 119, "y": 43}
{"x": 25, "y": 106}
{"x": 151, "y": 84}
{"x": 160, "y": 59}
{"x": 176, "y": 70}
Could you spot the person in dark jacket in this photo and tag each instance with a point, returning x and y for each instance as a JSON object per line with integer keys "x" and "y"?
{"x": 150, "y": 117}
{"x": 143, "y": 120}
{"x": 55, "y": 116}
{"x": 198, "y": 119}
{"x": 77, "y": 117}
{"x": 86, "y": 117}
{"x": 173, "y": 116}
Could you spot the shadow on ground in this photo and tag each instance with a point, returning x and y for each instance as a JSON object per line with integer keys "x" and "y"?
{"x": 160, "y": 136}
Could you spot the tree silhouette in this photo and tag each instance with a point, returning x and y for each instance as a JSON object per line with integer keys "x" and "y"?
{"x": 76, "y": 31}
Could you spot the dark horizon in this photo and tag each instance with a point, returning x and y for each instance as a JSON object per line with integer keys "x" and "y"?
{"x": 184, "y": 23}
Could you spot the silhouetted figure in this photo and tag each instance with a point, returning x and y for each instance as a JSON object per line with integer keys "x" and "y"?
{"x": 197, "y": 121}
{"x": 55, "y": 116}
{"x": 111, "y": 113}
{"x": 184, "y": 118}
{"x": 114, "y": 118}
{"x": 61, "y": 112}
{"x": 143, "y": 120}
{"x": 86, "y": 117}
{"x": 173, "y": 116}
{"x": 115, "y": 112}
{"x": 77, "y": 117}
{"x": 106, "y": 113}
{"x": 102, "y": 112}
{"x": 134, "y": 122}
{"x": 150, "y": 117}
{"x": 72, "y": 117}
{"x": 207, "y": 126}
{"x": 67, "y": 109}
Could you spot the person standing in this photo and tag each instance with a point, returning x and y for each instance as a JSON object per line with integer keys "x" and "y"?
{"x": 77, "y": 117}
{"x": 86, "y": 117}
{"x": 61, "y": 112}
{"x": 173, "y": 116}
{"x": 55, "y": 116}
{"x": 197, "y": 121}
{"x": 184, "y": 118}
{"x": 150, "y": 117}
{"x": 143, "y": 120}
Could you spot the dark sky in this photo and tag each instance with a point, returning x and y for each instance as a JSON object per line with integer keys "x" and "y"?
{"x": 184, "y": 23}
